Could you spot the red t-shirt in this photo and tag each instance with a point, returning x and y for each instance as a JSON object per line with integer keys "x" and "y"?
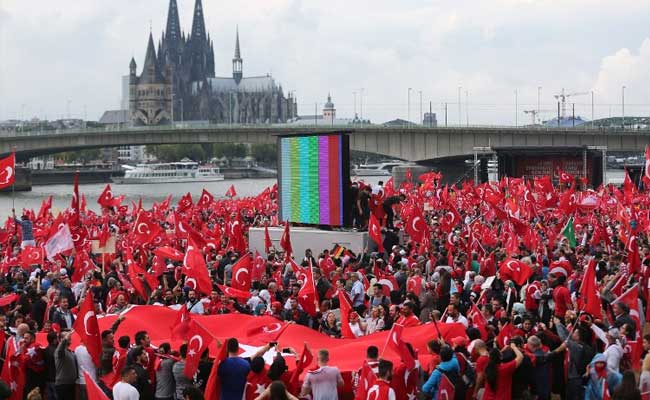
{"x": 504, "y": 382}
{"x": 481, "y": 363}
{"x": 561, "y": 297}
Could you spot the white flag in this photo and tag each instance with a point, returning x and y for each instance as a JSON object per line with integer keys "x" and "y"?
{"x": 59, "y": 242}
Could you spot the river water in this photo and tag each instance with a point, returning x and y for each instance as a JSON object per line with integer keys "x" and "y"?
{"x": 61, "y": 194}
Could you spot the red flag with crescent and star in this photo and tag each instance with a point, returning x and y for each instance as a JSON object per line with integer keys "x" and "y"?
{"x": 515, "y": 270}
{"x": 374, "y": 232}
{"x": 195, "y": 268}
{"x": 206, "y": 199}
{"x": 241, "y": 273}
{"x": 82, "y": 265}
{"x": 198, "y": 339}
{"x": 8, "y": 171}
{"x": 87, "y": 328}
{"x": 285, "y": 240}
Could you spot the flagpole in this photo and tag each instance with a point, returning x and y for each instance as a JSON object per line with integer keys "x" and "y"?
{"x": 13, "y": 185}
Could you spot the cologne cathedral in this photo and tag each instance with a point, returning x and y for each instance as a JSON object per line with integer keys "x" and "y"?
{"x": 178, "y": 82}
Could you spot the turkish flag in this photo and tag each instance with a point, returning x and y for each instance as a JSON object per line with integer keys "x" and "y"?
{"x": 231, "y": 192}
{"x": 285, "y": 240}
{"x": 8, "y": 171}
{"x": 416, "y": 226}
{"x": 87, "y": 328}
{"x": 514, "y": 270}
{"x": 414, "y": 284}
{"x": 478, "y": 320}
{"x": 264, "y": 334}
{"x": 82, "y": 265}
{"x": 145, "y": 229}
{"x": 196, "y": 270}
{"x": 241, "y": 273}
{"x": 589, "y": 295}
{"x": 307, "y": 296}
{"x": 104, "y": 235}
{"x": 181, "y": 324}
{"x": 206, "y": 199}
{"x": 374, "y": 232}
{"x": 259, "y": 267}
{"x": 198, "y": 340}
{"x": 185, "y": 203}
{"x": 169, "y": 252}
{"x": 302, "y": 363}
{"x": 367, "y": 379}
{"x": 107, "y": 200}
{"x": 446, "y": 390}
{"x": 93, "y": 391}
{"x": 213, "y": 385}
{"x": 267, "y": 239}
{"x": 395, "y": 342}
{"x": 565, "y": 179}
{"x": 231, "y": 292}
{"x": 31, "y": 255}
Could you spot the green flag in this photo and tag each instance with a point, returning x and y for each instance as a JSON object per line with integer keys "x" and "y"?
{"x": 569, "y": 233}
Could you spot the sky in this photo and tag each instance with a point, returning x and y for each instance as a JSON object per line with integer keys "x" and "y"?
{"x": 66, "y": 57}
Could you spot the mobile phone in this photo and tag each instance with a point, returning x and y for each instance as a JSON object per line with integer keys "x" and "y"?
{"x": 286, "y": 350}
{"x": 273, "y": 344}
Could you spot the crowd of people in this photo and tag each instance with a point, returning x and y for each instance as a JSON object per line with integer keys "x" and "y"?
{"x": 549, "y": 282}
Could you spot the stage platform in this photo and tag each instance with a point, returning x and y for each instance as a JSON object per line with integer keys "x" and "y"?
{"x": 309, "y": 238}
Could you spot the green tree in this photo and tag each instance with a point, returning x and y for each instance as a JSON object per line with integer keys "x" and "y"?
{"x": 266, "y": 154}
{"x": 81, "y": 156}
{"x": 230, "y": 150}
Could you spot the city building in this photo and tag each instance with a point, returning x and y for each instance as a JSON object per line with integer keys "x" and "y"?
{"x": 429, "y": 120}
{"x": 178, "y": 82}
{"x": 327, "y": 117}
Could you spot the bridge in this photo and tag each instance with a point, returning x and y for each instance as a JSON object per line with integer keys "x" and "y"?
{"x": 412, "y": 143}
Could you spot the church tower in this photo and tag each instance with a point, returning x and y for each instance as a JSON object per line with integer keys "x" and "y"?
{"x": 150, "y": 93}
{"x": 172, "y": 44}
{"x": 237, "y": 61}
{"x": 201, "y": 55}
{"x": 329, "y": 112}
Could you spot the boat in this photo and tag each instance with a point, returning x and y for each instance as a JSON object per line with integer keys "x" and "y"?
{"x": 378, "y": 169}
{"x": 175, "y": 172}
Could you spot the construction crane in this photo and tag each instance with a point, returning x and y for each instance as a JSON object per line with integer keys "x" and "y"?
{"x": 562, "y": 97}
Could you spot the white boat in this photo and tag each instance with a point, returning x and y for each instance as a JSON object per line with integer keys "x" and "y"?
{"x": 183, "y": 171}
{"x": 379, "y": 169}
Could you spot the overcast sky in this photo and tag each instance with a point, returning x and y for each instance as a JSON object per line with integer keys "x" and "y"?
{"x": 52, "y": 52}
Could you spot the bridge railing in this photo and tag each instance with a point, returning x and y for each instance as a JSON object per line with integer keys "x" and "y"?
{"x": 304, "y": 127}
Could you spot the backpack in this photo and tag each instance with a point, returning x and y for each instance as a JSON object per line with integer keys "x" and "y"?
{"x": 460, "y": 390}
{"x": 468, "y": 373}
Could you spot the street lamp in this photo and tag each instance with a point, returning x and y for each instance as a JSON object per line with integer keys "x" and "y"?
{"x": 361, "y": 104}
{"x": 408, "y": 109}
{"x": 459, "y": 109}
{"x": 623, "y": 105}
{"x": 420, "y": 122}
{"x": 516, "y": 108}
{"x": 539, "y": 93}
{"x": 355, "y": 103}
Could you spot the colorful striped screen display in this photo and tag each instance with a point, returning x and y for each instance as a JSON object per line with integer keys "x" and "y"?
{"x": 312, "y": 173}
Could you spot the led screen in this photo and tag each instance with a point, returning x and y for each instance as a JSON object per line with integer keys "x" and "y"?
{"x": 312, "y": 179}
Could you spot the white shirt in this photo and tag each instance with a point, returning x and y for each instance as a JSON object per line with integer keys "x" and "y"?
{"x": 613, "y": 354}
{"x": 84, "y": 363}
{"x": 357, "y": 293}
{"x": 461, "y": 318}
{"x": 196, "y": 308}
{"x": 124, "y": 391}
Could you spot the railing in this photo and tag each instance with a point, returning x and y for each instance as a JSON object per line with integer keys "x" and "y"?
{"x": 585, "y": 128}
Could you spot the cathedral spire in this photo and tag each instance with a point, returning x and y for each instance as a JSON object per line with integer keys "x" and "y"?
{"x": 237, "y": 52}
{"x": 151, "y": 71}
{"x": 237, "y": 60}
{"x": 198, "y": 23}
{"x": 173, "y": 31}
